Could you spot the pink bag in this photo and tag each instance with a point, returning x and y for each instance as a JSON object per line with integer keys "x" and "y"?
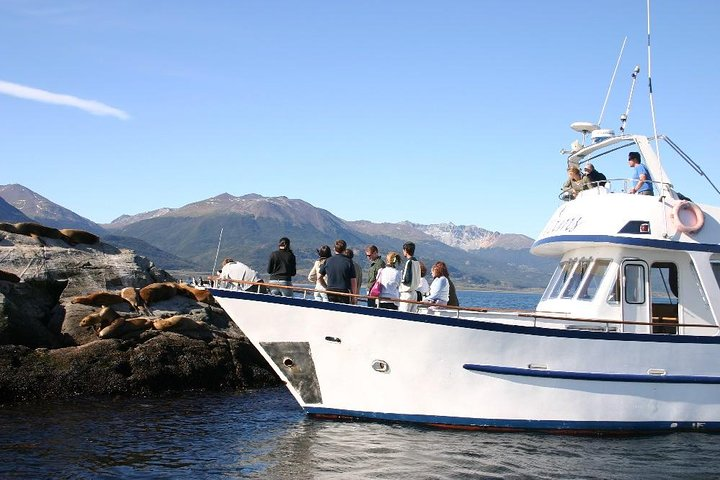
{"x": 376, "y": 289}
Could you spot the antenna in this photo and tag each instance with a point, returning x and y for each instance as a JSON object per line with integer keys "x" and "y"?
{"x": 652, "y": 102}
{"x": 624, "y": 116}
{"x": 612, "y": 81}
{"x": 217, "y": 252}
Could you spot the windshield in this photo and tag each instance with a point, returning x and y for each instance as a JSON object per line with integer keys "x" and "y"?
{"x": 577, "y": 276}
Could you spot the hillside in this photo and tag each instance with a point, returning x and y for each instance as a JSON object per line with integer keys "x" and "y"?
{"x": 44, "y": 211}
{"x": 20, "y": 204}
{"x": 252, "y": 224}
{"x": 187, "y": 238}
{"x": 8, "y": 213}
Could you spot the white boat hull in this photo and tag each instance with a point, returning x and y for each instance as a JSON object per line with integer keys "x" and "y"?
{"x": 480, "y": 374}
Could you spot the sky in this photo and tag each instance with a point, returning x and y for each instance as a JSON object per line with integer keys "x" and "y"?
{"x": 427, "y": 111}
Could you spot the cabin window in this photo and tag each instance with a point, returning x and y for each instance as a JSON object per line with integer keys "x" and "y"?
{"x": 664, "y": 294}
{"x": 592, "y": 282}
{"x": 574, "y": 281}
{"x": 664, "y": 282}
{"x": 716, "y": 270}
{"x": 614, "y": 295}
{"x": 558, "y": 280}
{"x": 634, "y": 283}
{"x": 701, "y": 290}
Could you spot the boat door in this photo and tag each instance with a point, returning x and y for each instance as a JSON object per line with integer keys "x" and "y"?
{"x": 635, "y": 301}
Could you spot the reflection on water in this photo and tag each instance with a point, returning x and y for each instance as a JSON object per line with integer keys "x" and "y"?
{"x": 263, "y": 434}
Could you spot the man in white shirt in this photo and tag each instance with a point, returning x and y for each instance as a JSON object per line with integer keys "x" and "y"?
{"x": 234, "y": 270}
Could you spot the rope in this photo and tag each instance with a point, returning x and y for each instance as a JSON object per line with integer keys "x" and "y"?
{"x": 612, "y": 82}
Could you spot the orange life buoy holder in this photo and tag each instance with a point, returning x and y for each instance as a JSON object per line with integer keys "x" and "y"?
{"x": 687, "y": 217}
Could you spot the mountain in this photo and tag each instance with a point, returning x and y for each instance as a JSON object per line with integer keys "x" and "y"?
{"x": 197, "y": 236}
{"x": 124, "y": 220}
{"x": 252, "y": 224}
{"x": 45, "y": 212}
{"x": 465, "y": 237}
{"x": 10, "y": 214}
{"x": 20, "y": 204}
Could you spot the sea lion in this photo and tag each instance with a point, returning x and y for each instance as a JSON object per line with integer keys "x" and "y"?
{"x": 197, "y": 294}
{"x": 74, "y": 237}
{"x": 157, "y": 292}
{"x": 8, "y": 277}
{"x": 178, "y": 322}
{"x": 102, "y": 318}
{"x": 99, "y": 299}
{"x": 32, "y": 229}
{"x": 123, "y": 326}
{"x": 132, "y": 296}
{"x": 8, "y": 227}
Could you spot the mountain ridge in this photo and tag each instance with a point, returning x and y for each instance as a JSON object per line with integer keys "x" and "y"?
{"x": 251, "y": 225}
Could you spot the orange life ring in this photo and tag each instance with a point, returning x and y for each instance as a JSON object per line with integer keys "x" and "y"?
{"x": 687, "y": 216}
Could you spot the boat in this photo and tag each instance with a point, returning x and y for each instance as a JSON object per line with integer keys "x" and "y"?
{"x": 624, "y": 339}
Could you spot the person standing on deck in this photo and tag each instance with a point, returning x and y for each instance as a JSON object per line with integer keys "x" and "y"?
{"x": 281, "y": 267}
{"x": 641, "y": 175}
{"x": 358, "y": 273}
{"x": 376, "y": 263}
{"x": 410, "y": 280}
{"x": 338, "y": 274}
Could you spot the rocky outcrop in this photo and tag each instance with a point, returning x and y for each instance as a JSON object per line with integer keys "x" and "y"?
{"x": 52, "y": 346}
{"x": 162, "y": 363}
{"x": 86, "y": 268}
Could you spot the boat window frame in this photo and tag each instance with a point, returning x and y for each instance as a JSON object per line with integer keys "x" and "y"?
{"x": 716, "y": 271}
{"x": 614, "y": 296}
{"x": 701, "y": 289}
{"x": 590, "y": 275}
{"x": 642, "y": 284}
{"x": 564, "y": 268}
{"x": 575, "y": 279}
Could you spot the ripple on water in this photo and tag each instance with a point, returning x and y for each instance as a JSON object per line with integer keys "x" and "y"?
{"x": 264, "y": 435}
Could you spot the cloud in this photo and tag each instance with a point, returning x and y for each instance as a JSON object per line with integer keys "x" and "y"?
{"x": 90, "y": 106}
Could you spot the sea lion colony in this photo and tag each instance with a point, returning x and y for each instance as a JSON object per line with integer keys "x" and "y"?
{"x": 107, "y": 323}
{"x": 69, "y": 235}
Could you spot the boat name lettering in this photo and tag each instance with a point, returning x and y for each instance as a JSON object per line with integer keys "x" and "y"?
{"x": 565, "y": 224}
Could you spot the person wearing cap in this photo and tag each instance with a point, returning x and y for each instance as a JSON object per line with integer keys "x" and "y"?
{"x": 281, "y": 267}
{"x": 641, "y": 175}
{"x": 593, "y": 178}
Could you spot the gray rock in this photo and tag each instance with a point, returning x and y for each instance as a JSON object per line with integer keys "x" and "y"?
{"x": 26, "y": 312}
{"x": 167, "y": 362}
{"x": 87, "y": 268}
{"x": 45, "y": 353}
{"x": 71, "y": 331}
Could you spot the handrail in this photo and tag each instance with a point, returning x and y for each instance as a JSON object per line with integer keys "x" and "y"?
{"x": 458, "y": 309}
{"x": 550, "y": 316}
{"x": 362, "y": 297}
{"x": 565, "y": 192}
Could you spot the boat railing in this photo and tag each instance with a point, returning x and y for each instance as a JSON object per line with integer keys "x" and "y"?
{"x": 611, "y": 185}
{"x": 529, "y": 317}
{"x": 309, "y": 293}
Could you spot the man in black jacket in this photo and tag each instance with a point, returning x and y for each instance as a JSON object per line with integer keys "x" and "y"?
{"x": 593, "y": 178}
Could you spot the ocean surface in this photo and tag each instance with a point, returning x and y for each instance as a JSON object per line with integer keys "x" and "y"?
{"x": 264, "y": 434}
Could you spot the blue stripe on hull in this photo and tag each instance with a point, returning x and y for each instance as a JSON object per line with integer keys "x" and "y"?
{"x": 632, "y": 241}
{"x": 599, "y": 377}
{"x": 564, "y": 426}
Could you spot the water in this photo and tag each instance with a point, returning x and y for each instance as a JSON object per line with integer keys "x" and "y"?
{"x": 264, "y": 434}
